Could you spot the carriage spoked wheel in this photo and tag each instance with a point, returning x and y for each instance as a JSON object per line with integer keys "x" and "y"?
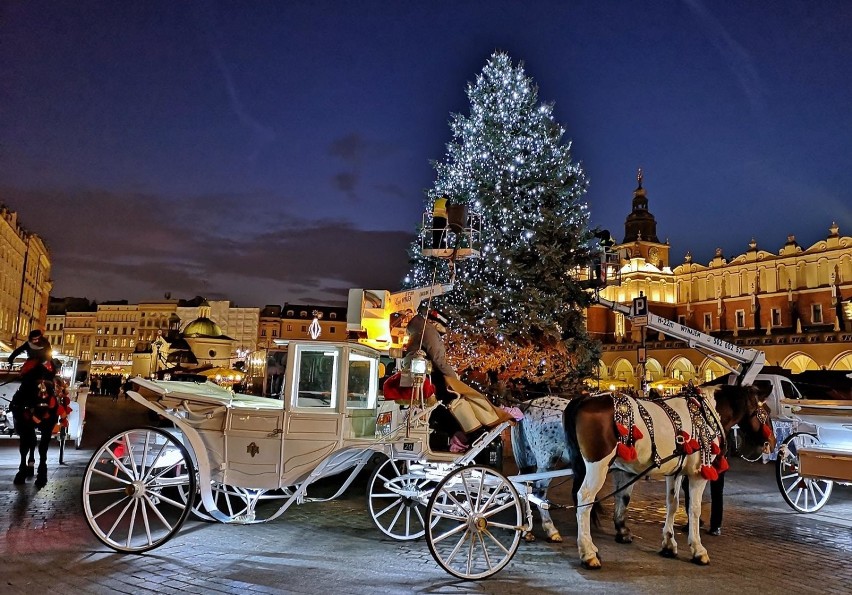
{"x": 240, "y": 505}
{"x": 803, "y": 494}
{"x": 475, "y": 522}
{"x": 132, "y": 486}
{"x": 397, "y": 494}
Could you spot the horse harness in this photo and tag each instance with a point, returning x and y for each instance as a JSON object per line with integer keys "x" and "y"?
{"x": 706, "y": 427}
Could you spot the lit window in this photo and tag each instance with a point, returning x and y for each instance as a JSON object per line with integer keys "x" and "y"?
{"x": 816, "y": 313}
{"x": 708, "y": 321}
{"x": 740, "y": 318}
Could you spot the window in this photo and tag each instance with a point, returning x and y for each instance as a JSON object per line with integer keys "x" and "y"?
{"x": 263, "y": 332}
{"x": 289, "y": 327}
{"x": 359, "y": 392}
{"x": 304, "y": 328}
{"x": 275, "y": 332}
{"x": 333, "y": 316}
{"x": 816, "y": 313}
{"x": 331, "y": 330}
{"x": 708, "y": 321}
{"x": 740, "y": 316}
{"x": 315, "y": 381}
{"x": 776, "y": 317}
{"x": 303, "y": 314}
{"x": 290, "y": 313}
{"x": 681, "y": 319}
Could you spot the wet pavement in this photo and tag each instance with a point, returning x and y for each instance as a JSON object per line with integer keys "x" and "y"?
{"x": 333, "y": 547}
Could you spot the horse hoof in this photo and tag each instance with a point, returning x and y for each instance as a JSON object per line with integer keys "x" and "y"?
{"x": 668, "y": 552}
{"x": 701, "y": 560}
{"x": 20, "y": 478}
{"x": 626, "y": 538}
{"x": 40, "y": 482}
{"x": 529, "y": 537}
{"x": 591, "y": 563}
{"x": 30, "y": 471}
{"x": 555, "y": 538}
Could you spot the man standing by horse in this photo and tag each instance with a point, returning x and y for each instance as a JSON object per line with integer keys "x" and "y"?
{"x": 36, "y": 404}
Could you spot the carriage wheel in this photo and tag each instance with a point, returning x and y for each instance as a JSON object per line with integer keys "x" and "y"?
{"x": 397, "y": 496}
{"x": 803, "y": 494}
{"x": 475, "y": 522}
{"x": 132, "y": 486}
{"x": 240, "y": 505}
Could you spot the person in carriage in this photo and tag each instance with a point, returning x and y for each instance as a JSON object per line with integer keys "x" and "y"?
{"x": 464, "y": 412}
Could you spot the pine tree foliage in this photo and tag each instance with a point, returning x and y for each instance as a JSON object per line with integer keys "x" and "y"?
{"x": 516, "y": 310}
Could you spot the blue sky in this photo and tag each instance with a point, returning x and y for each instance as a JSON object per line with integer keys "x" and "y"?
{"x": 271, "y": 152}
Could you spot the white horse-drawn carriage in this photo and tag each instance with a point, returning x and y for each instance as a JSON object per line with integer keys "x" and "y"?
{"x": 243, "y": 459}
{"x": 817, "y": 454}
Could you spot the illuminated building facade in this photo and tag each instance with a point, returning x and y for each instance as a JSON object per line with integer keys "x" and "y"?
{"x": 794, "y": 304}
{"x": 25, "y": 281}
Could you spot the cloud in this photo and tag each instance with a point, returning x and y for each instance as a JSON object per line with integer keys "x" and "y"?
{"x": 346, "y": 182}
{"x": 109, "y": 246}
{"x": 739, "y": 60}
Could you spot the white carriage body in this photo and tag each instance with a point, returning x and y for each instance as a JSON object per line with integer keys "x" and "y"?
{"x": 830, "y": 457}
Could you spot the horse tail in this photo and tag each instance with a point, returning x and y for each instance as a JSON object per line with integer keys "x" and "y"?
{"x": 519, "y": 446}
{"x": 578, "y": 465}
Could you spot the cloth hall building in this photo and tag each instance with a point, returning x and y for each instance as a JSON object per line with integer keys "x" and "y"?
{"x": 794, "y": 304}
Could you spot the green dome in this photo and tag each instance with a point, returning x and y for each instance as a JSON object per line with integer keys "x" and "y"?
{"x": 202, "y": 327}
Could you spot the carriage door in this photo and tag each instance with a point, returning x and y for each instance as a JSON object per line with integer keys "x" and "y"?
{"x": 313, "y": 426}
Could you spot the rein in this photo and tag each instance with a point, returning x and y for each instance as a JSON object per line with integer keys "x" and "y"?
{"x": 633, "y": 480}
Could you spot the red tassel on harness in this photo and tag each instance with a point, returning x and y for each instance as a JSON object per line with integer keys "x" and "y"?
{"x": 721, "y": 464}
{"x": 767, "y": 431}
{"x": 628, "y": 453}
{"x": 622, "y": 430}
{"x": 714, "y": 448}
{"x": 709, "y": 473}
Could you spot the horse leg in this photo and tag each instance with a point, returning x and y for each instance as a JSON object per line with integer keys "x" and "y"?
{"x": 696, "y": 491}
{"x": 26, "y": 432}
{"x": 669, "y": 548}
{"x": 553, "y": 535}
{"x": 592, "y": 484}
{"x": 622, "y": 501}
{"x": 43, "y": 446}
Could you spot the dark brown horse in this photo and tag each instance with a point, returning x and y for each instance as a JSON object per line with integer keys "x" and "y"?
{"x": 672, "y": 437}
{"x": 36, "y": 406}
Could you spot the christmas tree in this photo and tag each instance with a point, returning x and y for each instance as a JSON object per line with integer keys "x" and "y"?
{"x": 516, "y": 310}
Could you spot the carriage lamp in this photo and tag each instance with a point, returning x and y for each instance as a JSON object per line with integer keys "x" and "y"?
{"x": 419, "y": 363}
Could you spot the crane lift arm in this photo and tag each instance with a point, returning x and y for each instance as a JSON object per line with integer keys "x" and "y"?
{"x": 750, "y": 361}
{"x": 369, "y": 311}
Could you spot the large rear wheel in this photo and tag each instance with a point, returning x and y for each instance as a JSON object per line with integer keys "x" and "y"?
{"x": 132, "y": 489}
{"x": 803, "y": 494}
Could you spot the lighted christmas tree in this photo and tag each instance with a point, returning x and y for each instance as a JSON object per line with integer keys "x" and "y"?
{"x": 516, "y": 310}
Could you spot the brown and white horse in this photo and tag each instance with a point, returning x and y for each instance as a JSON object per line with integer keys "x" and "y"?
{"x": 671, "y": 437}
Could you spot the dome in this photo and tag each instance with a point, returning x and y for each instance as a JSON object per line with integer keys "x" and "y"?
{"x": 202, "y": 327}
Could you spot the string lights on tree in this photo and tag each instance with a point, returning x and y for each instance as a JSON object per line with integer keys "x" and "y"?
{"x": 515, "y": 310}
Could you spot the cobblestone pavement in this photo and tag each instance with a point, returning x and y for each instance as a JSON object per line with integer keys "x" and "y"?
{"x": 333, "y": 547}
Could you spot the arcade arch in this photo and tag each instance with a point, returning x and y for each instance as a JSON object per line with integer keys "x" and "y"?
{"x": 799, "y": 362}
{"x": 681, "y": 368}
{"x": 842, "y": 362}
{"x": 710, "y": 369}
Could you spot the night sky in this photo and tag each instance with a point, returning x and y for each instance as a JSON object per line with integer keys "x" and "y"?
{"x": 272, "y": 152}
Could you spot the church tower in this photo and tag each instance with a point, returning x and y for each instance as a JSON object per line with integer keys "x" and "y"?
{"x": 640, "y": 232}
